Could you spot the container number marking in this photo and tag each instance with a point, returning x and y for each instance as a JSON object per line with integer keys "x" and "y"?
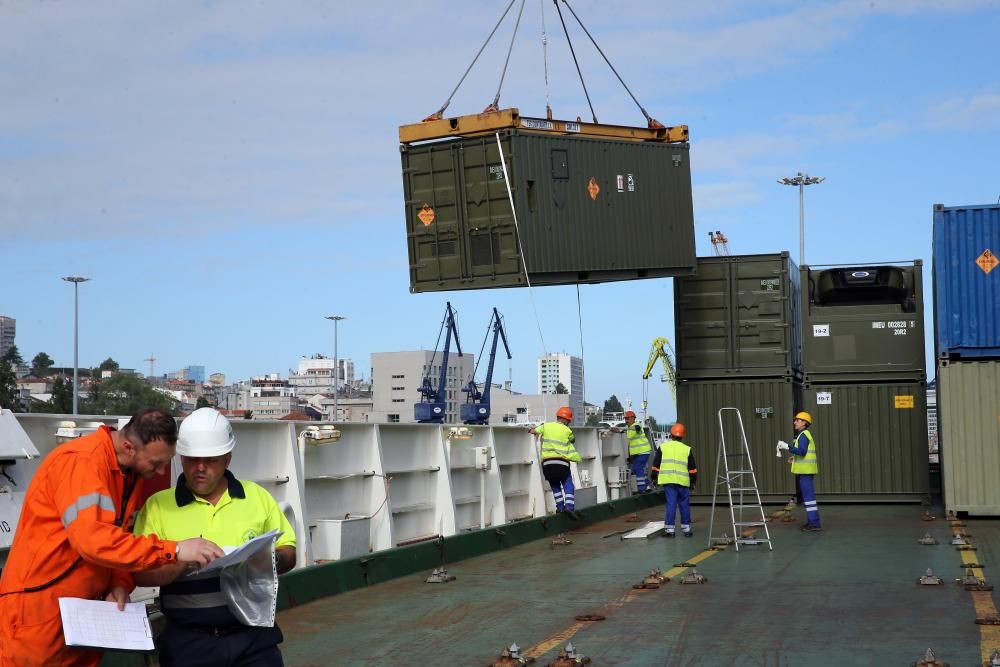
{"x": 536, "y": 124}
{"x": 824, "y": 398}
{"x": 573, "y": 127}
{"x": 904, "y": 402}
{"x": 820, "y": 330}
{"x": 764, "y": 413}
{"x": 497, "y": 171}
{"x": 773, "y": 285}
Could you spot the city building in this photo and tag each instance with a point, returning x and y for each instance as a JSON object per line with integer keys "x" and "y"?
{"x": 354, "y": 408}
{"x": 217, "y": 379}
{"x": 316, "y": 376}
{"x": 263, "y": 397}
{"x": 396, "y": 380}
{"x": 8, "y": 327}
{"x": 561, "y": 368}
{"x": 508, "y": 407}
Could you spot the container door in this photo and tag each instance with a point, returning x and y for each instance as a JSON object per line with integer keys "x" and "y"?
{"x": 703, "y": 313}
{"x": 762, "y": 323}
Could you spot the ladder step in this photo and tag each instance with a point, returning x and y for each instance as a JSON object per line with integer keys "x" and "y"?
{"x": 749, "y": 523}
{"x": 740, "y": 472}
{"x": 748, "y": 507}
{"x": 748, "y": 488}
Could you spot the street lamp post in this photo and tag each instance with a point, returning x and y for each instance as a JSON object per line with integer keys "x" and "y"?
{"x": 336, "y": 362}
{"x": 802, "y": 180}
{"x": 76, "y": 280}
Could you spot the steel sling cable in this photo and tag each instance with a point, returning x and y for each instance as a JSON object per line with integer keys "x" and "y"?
{"x": 439, "y": 112}
{"x": 572, "y": 51}
{"x": 503, "y": 74}
{"x": 594, "y": 42}
{"x": 545, "y": 59}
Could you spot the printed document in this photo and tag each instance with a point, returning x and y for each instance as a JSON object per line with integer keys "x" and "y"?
{"x": 97, "y": 624}
{"x": 238, "y": 554}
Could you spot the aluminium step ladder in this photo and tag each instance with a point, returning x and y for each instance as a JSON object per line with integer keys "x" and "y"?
{"x": 734, "y": 470}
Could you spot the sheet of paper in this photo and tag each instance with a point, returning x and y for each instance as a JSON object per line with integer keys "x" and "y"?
{"x": 239, "y": 554}
{"x": 98, "y": 624}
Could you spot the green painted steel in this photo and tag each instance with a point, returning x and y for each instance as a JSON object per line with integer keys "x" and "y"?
{"x": 739, "y": 317}
{"x": 968, "y": 402}
{"x": 871, "y": 438}
{"x": 588, "y": 210}
{"x": 845, "y": 596}
{"x": 863, "y": 323}
{"x": 766, "y": 405}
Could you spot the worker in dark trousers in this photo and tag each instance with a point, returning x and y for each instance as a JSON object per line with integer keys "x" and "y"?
{"x": 639, "y": 450}
{"x": 805, "y": 467}
{"x": 557, "y": 452}
{"x": 676, "y": 473}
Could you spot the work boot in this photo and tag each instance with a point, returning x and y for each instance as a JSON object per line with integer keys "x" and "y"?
{"x": 573, "y": 515}
{"x": 810, "y": 528}
{"x": 688, "y": 534}
{"x": 668, "y": 534}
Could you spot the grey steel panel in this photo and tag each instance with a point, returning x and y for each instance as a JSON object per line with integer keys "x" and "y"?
{"x": 588, "y": 210}
{"x": 968, "y": 403}
{"x": 767, "y": 406}
{"x": 867, "y": 341}
{"x": 871, "y": 438}
{"x": 739, "y": 316}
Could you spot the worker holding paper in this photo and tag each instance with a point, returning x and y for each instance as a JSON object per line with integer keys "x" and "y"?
{"x": 74, "y": 538}
{"x": 207, "y": 624}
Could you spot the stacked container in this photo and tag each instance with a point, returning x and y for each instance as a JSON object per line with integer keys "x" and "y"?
{"x": 865, "y": 379}
{"x": 739, "y": 344}
{"x": 967, "y": 343}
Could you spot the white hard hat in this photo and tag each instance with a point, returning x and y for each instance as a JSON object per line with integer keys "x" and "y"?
{"x": 204, "y": 433}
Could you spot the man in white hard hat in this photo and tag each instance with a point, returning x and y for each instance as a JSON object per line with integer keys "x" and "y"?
{"x": 209, "y": 501}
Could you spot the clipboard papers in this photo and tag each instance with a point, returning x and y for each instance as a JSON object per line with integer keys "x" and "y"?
{"x": 97, "y": 624}
{"x": 238, "y": 555}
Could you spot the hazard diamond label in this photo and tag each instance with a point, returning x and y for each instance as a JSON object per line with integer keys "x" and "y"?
{"x": 987, "y": 261}
{"x": 593, "y": 188}
{"x": 426, "y": 215}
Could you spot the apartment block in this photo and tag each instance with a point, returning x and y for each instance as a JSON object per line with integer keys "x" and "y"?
{"x": 396, "y": 380}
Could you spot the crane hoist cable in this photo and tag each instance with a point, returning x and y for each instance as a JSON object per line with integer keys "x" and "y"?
{"x": 573, "y": 52}
{"x": 440, "y": 112}
{"x": 545, "y": 59}
{"x": 495, "y": 105}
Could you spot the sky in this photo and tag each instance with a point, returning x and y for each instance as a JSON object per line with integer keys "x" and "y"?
{"x": 228, "y": 173}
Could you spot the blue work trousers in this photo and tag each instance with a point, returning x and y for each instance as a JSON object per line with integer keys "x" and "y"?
{"x": 809, "y": 499}
{"x": 560, "y": 478}
{"x": 677, "y": 495}
{"x": 639, "y": 462}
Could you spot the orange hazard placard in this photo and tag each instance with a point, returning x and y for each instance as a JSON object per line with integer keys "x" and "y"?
{"x": 593, "y": 188}
{"x": 987, "y": 261}
{"x": 426, "y": 215}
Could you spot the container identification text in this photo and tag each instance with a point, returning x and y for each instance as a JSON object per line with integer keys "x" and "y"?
{"x": 536, "y": 124}
{"x": 820, "y": 330}
{"x": 824, "y": 398}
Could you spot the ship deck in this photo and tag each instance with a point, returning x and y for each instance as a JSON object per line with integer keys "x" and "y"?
{"x": 845, "y": 596}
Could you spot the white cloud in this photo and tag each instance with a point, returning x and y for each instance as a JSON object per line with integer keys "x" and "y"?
{"x": 974, "y": 112}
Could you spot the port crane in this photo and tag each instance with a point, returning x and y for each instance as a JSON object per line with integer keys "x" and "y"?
{"x": 431, "y": 408}
{"x": 659, "y": 352}
{"x": 476, "y": 409}
{"x": 720, "y": 244}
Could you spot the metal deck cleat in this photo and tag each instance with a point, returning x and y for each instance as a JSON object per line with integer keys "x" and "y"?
{"x": 928, "y": 516}
{"x": 440, "y": 576}
{"x": 959, "y": 541}
{"x": 568, "y": 657}
{"x": 561, "y": 540}
{"x": 653, "y": 580}
{"x": 693, "y": 577}
{"x": 929, "y": 579}
{"x": 929, "y": 660}
{"x": 971, "y": 582}
{"x": 994, "y": 660}
{"x": 927, "y": 539}
{"x": 511, "y": 657}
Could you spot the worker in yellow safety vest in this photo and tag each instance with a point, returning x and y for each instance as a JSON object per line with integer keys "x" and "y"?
{"x": 202, "y": 627}
{"x": 676, "y": 473}
{"x": 805, "y": 467}
{"x": 557, "y": 453}
{"x": 639, "y": 450}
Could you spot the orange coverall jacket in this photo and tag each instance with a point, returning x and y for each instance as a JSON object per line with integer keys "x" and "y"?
{"x": 69, "y": 515}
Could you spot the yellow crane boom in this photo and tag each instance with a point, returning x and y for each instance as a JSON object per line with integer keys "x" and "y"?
{"x": 659, "y": 352}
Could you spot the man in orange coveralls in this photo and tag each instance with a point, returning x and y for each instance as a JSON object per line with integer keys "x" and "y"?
{"x": 74, "y": 537}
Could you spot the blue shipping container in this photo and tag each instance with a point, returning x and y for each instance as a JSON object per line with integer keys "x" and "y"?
{"x": 967, "y": 281}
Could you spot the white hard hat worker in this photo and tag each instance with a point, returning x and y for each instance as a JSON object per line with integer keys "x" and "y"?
{"x": 205, "y": 433}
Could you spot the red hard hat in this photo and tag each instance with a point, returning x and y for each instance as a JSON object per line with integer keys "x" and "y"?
{"x": 565, "y": 413}
{"x": 678, "y": 430}
{"x": 629, "y": 413}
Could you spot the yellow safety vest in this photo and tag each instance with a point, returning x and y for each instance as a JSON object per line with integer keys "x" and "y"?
{"x": 808, "y": 464}
{"x": 557, "y": 442}
{"x": 674, "y": 463}
{"x": 637, "y": 441}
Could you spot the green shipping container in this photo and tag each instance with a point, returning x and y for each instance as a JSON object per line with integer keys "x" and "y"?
{"x": 863, "y": 323}
{"x": 588, "y": 210}
{"x": 766, "y": 406}
{"x": 738, "y": 316}
{"x": 871, "y": 440}
{"x": 968, "y": 403}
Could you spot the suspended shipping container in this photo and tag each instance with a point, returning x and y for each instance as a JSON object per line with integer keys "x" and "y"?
{"x": 871, "y": 439}
{"x": 967, "y": 281}
{"x": 866, "y": 322}
{"x": 766, "y": 405}
{"x": 738, "y": 316}
{"x": 968, "y": 401}
{"x": 592, "y": 203}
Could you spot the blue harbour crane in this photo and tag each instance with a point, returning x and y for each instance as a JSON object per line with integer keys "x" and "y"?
{"x": 476, "y": 409}
{"x": 431, "y": 408}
